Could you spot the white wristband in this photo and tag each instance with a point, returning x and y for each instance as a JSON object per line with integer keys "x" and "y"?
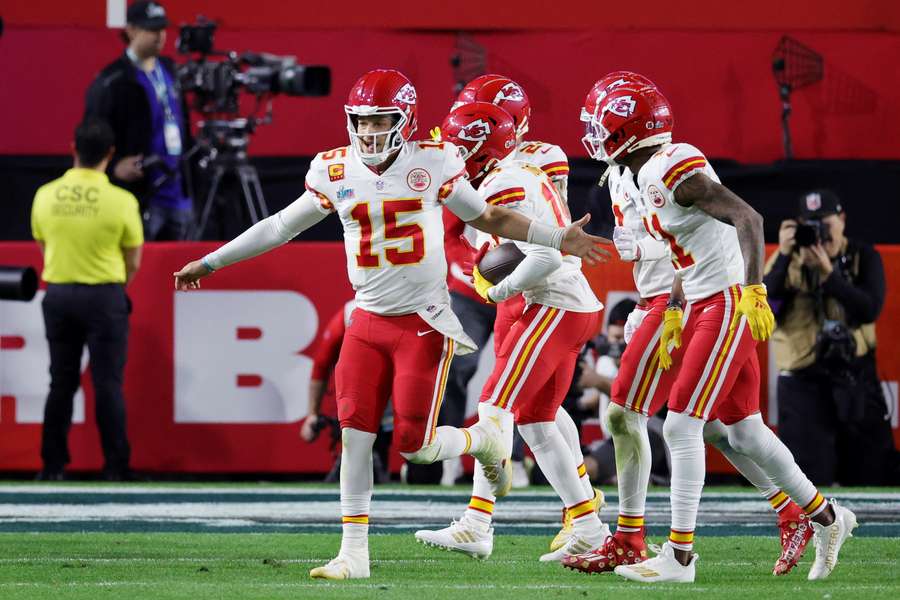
{"x": 545, "y": 235}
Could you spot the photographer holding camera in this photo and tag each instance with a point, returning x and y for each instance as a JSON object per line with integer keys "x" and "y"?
{"x": 827, "y": 291}
{"x": 139, "y": 96}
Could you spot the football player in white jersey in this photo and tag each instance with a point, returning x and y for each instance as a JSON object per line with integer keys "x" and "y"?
{"x": 642, "y": 387}
{"x": 536, "y": 359}
{"x": 716, "y": 247}
{"x": 389, "y": 192}
{"x": 479, "y": 319}
{"x": 549, "y": 158}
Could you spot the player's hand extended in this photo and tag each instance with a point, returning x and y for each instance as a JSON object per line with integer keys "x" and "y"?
{"x": 475, "y": 256}
{"x": 754, "y": 305}
{"x": 578, "y": 242}
{"x": 671, "y": 333}
{"x": 188, "y": 278}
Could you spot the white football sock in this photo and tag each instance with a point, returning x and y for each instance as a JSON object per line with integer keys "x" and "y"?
{"x": 633, "y": 461}
{"x": 356, "y": 489}
{"x": 481, "y": 504}
{"x": 752, "y": 438}
{"x": 569, "y": 431}
{"x": 555, "y": 459}
{"x": 715, "y": 433}
{"x": 684, "y": 436}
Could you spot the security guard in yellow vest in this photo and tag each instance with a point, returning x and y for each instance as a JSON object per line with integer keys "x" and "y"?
{"x": 91, "y": 235}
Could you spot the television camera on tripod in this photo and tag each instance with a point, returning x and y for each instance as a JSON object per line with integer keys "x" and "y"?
{"x": 223, "y": 134}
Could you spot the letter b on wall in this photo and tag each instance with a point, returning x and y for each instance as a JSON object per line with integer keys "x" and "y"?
{"x": 237, "y": 356}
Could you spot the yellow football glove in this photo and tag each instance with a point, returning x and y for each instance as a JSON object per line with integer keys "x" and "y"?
{"x": 754, "y": 305}
{"x": 671, "y": 333}
{"x": 435, "y": 134}
{"x": 482, "y": 285}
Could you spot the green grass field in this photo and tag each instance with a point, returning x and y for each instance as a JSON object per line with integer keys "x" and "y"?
{"x": 252, "y": 541}
{"x": 250, "y": 566}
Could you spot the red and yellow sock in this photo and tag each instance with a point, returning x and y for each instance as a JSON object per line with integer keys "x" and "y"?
{"x": 681, "y": 540}
{"x": 630, "y": 524}
{"x": 817, "y": 505}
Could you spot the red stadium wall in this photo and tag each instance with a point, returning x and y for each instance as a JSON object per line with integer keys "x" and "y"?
{"x": 216, "y": 380}
{"x": 714, "y": 65}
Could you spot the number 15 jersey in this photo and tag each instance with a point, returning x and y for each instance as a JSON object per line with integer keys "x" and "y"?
{"x": 393, "y": 227}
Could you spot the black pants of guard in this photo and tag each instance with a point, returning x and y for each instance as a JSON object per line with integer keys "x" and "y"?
{"x": 838, "y": 429}
{"x": 76, "y": 315}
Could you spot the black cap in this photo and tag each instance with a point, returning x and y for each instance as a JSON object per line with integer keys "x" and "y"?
{"x": 147, "y": 15}
{"x": 819, "y": 203}
{"x": 618, "y": 314}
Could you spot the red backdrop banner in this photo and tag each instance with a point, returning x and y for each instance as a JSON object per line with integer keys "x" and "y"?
{"x": 216, "y": 379}
{"x": 720, "y": 84}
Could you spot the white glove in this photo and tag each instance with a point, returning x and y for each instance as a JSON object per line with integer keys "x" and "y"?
{"x": 633, "y": 322}
{"x": 626, "y": 244}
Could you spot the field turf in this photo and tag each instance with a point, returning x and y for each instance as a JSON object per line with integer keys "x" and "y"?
{"x": 89, "y": 543}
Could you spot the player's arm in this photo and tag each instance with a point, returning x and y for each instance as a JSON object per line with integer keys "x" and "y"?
{"x": 324, "y": 361}
{"x": 538, "y": 264}
{"x": 265, "y": 235}
{"x": 719, "y": 202}
{"x": 465, "y": 202}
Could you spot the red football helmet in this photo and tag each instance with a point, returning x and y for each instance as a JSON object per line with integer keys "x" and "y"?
{"x": 629, "y": 117}
{"x": 502, "y": 91}
{"x": 593, "y": 103}
{"x": 381, "y": 92}
{"x": 485, "y": 134}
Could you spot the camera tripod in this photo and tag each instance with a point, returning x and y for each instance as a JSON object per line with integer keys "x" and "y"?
{"x": 225, "y": 143}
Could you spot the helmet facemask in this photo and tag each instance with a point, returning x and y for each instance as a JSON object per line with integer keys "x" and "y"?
{"x": 389, "y": 141}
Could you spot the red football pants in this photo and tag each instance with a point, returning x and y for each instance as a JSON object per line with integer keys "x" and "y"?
{"x": 719, "y": 374}
{"x": 640, "y": 385}
{"x": 401, "y": 358}
{"x": 534, "y": 366}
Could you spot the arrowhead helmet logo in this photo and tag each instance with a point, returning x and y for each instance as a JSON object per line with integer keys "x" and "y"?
{"x": 610, "y": 88}
{"x": 476, "y": 131}
{"x": 406, "y": 94}
{"x": 623, "y": 106}
{"x": 512, "y": 91}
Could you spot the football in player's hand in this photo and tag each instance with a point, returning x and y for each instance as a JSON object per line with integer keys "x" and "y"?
{"x": 499, "y": 262}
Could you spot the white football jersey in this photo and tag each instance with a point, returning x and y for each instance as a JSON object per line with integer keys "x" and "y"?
{"x": 705, "y": 251}
{"x": 651, "y": 277}
{"x": 393, "y": 228}
{"x": 549, "y": 158}
{"x": 526, "y": 189}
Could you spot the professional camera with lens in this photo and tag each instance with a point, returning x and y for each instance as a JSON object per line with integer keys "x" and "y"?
{"x": 811, "y": 232}
{"x": 216, "y": 84}
{"x": 835, "y": 347}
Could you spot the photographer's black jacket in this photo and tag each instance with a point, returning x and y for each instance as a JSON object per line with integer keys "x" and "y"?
{"x": 118, "y": 97}
{"x": 853, "y": 293}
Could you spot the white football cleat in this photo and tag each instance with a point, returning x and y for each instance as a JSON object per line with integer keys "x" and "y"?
{"x": 661, "y": 568}
{"x": 577, "y": 544}
{"x": 828, "y": 541}
{"x": 462, "y": 536}
{"x": 346, "y": 566}
{"x": 494, "y": 457}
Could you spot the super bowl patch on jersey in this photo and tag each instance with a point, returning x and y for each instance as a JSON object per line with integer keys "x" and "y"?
{"x": 418, "y": 179}
{"x": 656, "y": 197}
